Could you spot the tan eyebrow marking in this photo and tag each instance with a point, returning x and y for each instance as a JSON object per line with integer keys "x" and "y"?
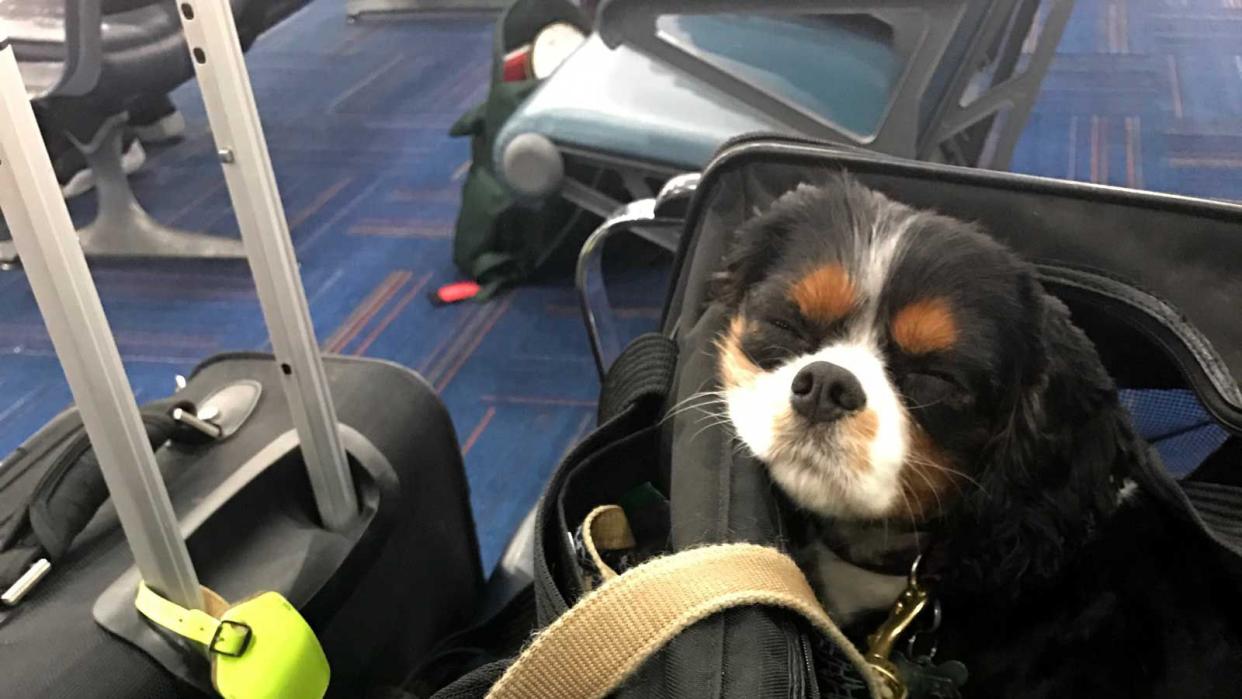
{"x": 925, "y": 326}
{"x": 825, "y": 294}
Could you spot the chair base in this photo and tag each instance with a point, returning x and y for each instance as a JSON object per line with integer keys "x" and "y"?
{"x": 134, "y": 234}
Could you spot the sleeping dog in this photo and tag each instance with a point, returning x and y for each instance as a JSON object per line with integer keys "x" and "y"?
{"x": 913, "y": 391}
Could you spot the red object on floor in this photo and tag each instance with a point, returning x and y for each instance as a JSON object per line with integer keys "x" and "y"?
{"x": 454, "y": 293}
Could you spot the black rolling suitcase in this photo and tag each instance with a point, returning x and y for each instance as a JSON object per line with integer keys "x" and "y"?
{"x": 378, "y": 595}
{"x": 334, "y": 482}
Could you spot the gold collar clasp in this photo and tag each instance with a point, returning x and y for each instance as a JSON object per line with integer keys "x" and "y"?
{"x": 910, "y": 603}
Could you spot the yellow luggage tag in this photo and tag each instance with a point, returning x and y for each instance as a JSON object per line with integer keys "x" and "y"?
{"x": 260, "y": 648}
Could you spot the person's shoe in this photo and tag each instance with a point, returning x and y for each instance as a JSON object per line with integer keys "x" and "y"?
{"x": 156, "y": 120}
{"x": 133, "y": 155}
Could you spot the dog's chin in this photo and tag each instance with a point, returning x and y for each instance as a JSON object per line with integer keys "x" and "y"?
{"x": 827, "y": 482}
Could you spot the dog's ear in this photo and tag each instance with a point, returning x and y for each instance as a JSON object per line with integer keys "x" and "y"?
{"x": 1055, "y": 469}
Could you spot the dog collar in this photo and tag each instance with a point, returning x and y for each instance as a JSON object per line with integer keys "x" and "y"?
{"x": 900, "y": 550}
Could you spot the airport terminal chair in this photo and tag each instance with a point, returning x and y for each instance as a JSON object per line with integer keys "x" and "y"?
{"x": 86, "y": 62}
{"x": 661, "y": 85}
{"x": 962, "y": 78}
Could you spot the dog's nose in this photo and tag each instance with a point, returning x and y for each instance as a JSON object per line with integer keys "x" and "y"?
{"x": 823, "y": 392}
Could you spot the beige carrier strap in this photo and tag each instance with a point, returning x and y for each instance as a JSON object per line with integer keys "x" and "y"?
{"x": 594, "y": 646}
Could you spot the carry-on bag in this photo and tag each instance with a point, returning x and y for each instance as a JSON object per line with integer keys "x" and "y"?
{"x": 281, "y": 526}
{"x": 661, "y": 500}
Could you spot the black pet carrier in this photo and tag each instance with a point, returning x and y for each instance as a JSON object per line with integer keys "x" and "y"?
{"x": 1155, "y": 280}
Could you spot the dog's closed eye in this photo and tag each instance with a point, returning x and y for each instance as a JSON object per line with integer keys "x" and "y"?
{"x": 785, "y": 326}
{"x": 925, "y": 389}
{"x": 789, "y": 327}
{"x": 777, "y": 339}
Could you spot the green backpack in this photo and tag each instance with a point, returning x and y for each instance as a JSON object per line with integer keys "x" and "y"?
{"x": 500, "y": 241}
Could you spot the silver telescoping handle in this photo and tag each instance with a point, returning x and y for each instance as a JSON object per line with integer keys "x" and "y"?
{"x": 221, "y": 69}
{"x": 56, "y": 267}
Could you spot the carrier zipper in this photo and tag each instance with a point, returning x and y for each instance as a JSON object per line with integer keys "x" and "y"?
{"x": 797, "y": 685}
{"x": 811, "y": 684}
{"x": 802, "y": 681}
{"x": 801, "y": 666}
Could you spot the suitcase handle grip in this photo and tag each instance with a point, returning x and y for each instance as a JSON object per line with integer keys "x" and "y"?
{"x": 69, "y": 494}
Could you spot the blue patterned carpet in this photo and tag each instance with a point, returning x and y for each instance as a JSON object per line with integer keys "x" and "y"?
{"x": 1144, "y": 93}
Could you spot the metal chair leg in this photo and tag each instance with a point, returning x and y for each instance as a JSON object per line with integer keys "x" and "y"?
{"x": 122, "y": 228}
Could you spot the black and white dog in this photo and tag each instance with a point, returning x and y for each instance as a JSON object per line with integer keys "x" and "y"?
{"x": 913, "y": 390}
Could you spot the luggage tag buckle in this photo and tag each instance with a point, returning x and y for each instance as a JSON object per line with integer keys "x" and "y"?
{"x": 215, "y": 646}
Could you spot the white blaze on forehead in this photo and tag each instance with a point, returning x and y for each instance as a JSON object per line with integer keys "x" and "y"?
{"x": 876, "y": 254}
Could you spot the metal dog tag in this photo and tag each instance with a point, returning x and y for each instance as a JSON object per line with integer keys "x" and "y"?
{"x": 924, "y": 679}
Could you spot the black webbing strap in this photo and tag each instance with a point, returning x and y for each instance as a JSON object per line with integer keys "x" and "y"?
{"x": 1210, "y": 498}
{"x": 644, "y": 372}
{"x": 1220, "y": 509}
{"x": 1217, "y": 505}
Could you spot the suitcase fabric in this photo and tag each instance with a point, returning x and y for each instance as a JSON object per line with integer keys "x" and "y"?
{"x": 409, "y": 578}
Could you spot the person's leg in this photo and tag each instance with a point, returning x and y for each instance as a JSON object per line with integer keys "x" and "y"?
{"x": 155, "y": 119}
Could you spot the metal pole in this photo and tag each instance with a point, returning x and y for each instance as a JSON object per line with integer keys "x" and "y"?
{"x": 35, "y": 210}
{"x": 217, "y": 58}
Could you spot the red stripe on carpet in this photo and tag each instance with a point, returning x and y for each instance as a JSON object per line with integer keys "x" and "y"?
{"x": 366, "y": 310}
{"x": 384, "y": 322}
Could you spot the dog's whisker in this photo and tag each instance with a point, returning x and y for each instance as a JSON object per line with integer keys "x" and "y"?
{"x": 957, "y": 487}
{"x": 704, "y": 407}
{"x": 950, "y": 471}
{"x": 704, "y": 400}
{"x": 718, "y": 421}
{"x": 906, "y": 399}
{"x": 704, "y": 428}
{"x": 931, "y": 487}
{"x": 697, "y": 395}
{"x": 901, "y": 489}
